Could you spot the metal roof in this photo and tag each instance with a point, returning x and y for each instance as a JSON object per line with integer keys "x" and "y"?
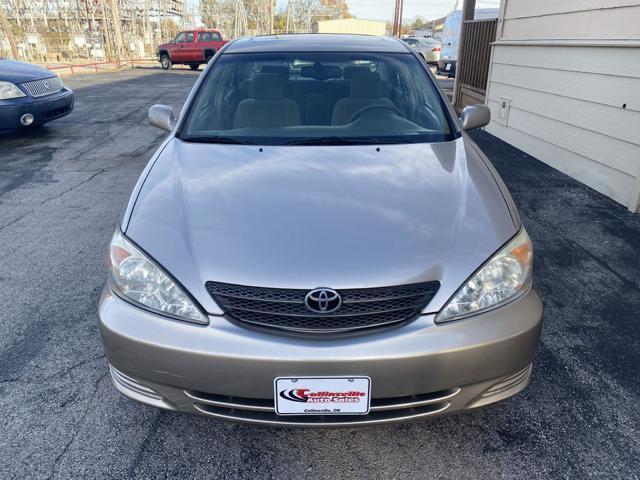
{"x": 317, "y": 42}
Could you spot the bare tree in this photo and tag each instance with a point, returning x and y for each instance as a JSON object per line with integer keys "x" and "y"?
{"x": 6, "y": 29}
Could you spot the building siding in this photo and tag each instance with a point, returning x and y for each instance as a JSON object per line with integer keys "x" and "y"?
{"x": 570, "y": 75}
{"x": 351, "y": 25}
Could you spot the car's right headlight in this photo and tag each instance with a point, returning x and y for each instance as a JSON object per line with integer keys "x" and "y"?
{"x": 140, "y": 280}
{"x": 505, "y": 277}
{"x": 8, "y": 91}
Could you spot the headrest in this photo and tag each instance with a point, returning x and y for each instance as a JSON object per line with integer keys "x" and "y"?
{"x": 281, "y": 70}
{"x": 366, "y": 85}
{"x": 350, "y": 71}
{"x": 267, "y": 86}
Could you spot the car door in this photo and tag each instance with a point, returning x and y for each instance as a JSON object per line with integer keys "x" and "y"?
{"x": 205, "y": 42}
{"x": 189, "y": 49}
{"x": 218, "y": 42}
{"x": 177, "y": 48}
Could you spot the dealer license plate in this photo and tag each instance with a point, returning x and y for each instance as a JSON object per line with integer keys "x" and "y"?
{"x": 322, "y": 395}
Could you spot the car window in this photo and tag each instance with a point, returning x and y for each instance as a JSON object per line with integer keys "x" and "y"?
{"x": 411, "y": 41}
{"x": 189, "y": 37}
{"x": 205, "y": 37}
{"x": 317, "y": 97}
{"x": 179, "y": 37}
{"x": 216, "y": 37}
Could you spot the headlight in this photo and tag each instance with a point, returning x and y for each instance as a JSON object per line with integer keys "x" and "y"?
{"x": 502, "y": 279}
{"x": 9, "y": 90}
{"x": 139, "y": 279}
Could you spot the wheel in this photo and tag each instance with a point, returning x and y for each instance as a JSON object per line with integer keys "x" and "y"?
{"x": 194, "y": 66}
{"x": 165, "y": 62}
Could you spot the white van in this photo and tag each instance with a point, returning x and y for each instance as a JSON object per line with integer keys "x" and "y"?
{"x": 451, "y": 38}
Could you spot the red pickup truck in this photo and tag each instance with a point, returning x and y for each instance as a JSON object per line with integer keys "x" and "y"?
{"x": 191, "y": 47}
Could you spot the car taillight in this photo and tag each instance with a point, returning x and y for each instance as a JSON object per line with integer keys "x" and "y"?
{"x": 437, "y": 49}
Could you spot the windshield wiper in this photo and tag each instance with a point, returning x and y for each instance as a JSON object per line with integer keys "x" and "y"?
{"x": 217, "y": 139}
{"x": 335, "y": 140}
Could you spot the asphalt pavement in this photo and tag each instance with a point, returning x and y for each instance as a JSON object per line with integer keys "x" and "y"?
{"x": 62, "y": 190}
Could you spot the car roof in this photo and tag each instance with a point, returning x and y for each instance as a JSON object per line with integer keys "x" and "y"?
{"x": 317, "y": 42}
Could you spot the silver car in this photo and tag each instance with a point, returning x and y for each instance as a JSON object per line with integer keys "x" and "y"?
{"x": 428, "y": 48}
{"x": 318, "y": 242}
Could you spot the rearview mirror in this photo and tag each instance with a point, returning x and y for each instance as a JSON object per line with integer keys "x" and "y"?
{"x": 163, "y": 117}
{"x": 475, "y": 116}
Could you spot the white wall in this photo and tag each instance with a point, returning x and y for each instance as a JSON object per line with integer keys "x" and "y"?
{"x": 569, "y": 72}
{"x": 351, "y": 25}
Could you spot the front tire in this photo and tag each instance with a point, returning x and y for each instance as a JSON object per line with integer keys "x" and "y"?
{"x": 165, "y": 62}
{"x": 194, "y": 66}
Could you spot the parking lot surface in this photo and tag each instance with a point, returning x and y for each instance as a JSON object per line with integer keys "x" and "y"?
{"x": 62, "y": 190}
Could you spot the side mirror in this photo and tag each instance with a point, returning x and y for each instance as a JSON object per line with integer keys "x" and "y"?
{"x": 475, "y": 116}
{"x": 163, "y": 117}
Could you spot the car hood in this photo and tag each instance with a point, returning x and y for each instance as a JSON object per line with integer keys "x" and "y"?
{"x": 307, "y": 217}
{"x": 19, "y": 72}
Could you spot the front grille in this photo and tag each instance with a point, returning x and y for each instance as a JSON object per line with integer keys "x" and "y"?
{"x": 285, "y": 308}
{"x": 263, "y": 411}
{"x": 46, "y": 86}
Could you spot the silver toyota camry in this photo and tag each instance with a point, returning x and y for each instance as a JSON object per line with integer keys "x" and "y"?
{"x": 318, "y": 242}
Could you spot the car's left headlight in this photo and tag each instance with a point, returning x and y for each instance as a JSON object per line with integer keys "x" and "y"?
{"x": 139, "y": 279}
{"x": 505, "y": 277}
{"x": 8, "y": 91}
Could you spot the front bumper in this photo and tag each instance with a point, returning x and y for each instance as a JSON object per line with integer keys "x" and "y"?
{"x": 43, "y": 109}
{"x": 226, "y": 371}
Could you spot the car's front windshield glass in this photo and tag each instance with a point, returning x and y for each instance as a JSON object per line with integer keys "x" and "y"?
{"x": 317, "y": 98}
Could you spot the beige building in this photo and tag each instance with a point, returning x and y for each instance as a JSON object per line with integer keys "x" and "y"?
{"x": 564, "y": 86}
{"x": 351, "y": 25}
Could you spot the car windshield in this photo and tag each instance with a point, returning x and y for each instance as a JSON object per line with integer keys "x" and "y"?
{"x": 317, "y": 98}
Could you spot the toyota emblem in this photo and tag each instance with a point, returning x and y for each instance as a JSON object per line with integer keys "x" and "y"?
{"x": 323, "y": 300}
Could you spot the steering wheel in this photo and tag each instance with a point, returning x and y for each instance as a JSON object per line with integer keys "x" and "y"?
{"x": 364, "y": 110}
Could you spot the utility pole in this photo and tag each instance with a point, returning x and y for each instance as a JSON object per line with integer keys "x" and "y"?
{"x": 397, "y": 18}
{"x": 468, "y": 13}
{"x": 400, "y": 22}
{"x": 6, "y": 28}
{"x": 105, "y": 31}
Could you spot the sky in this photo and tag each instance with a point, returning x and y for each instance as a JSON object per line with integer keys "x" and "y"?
{"x": 428, "y": 9}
